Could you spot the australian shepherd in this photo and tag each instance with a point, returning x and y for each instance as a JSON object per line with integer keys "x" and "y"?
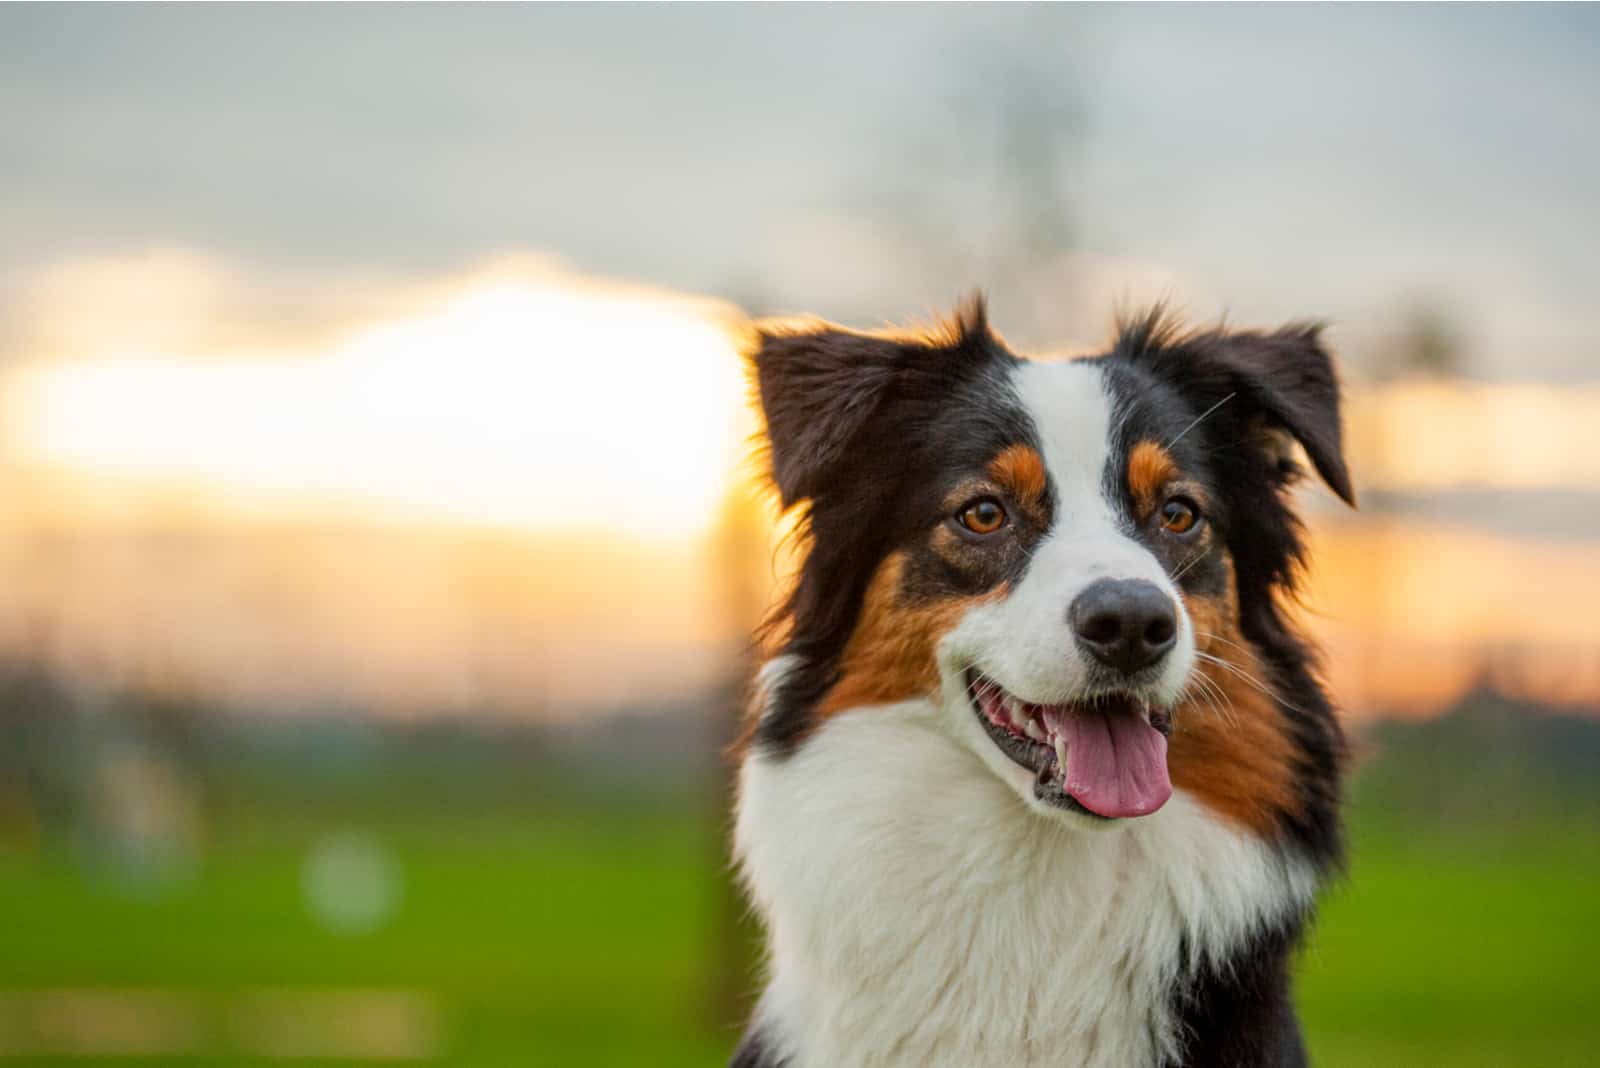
{"x": 1039, "y": 771}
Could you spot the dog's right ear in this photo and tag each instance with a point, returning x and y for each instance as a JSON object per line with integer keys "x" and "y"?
{"x": 818, "y": 388}
{"x": 820, "y": 385}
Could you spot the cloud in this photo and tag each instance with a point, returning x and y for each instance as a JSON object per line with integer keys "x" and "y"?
{"x": 517, "y": 392}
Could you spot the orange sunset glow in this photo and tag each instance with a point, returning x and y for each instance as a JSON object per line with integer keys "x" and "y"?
{"x": 485, "y": 490}
{"x": 512, "y": 398}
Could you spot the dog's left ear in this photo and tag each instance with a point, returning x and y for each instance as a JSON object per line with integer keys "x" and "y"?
{"x": 1273, "y": 386}
{"x": 1289, "y": 378}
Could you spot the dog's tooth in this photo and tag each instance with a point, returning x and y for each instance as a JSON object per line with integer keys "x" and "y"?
{"x": 1061, "y": 755}
{"x": 1035, "y": 731}
{"x": 1051, "y": 714}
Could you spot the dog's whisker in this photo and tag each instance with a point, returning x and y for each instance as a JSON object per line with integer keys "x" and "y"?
{"x": 1216, "y": 697}
{"x": 1231, "y": 711}
{"x": 1193, "y": 695}
{"x": 1219, "y": 638}
{"x": 1203, "y": 416}
{"x": 1193, "y": 559}
{"x": 1247, "y": 678}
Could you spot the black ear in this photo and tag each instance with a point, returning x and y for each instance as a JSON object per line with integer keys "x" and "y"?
{"x": 820, "y": 385}
{"x": 1289, "y": 377}
{"x": 818, "y": 388}
{"x": 1279, "y": 382}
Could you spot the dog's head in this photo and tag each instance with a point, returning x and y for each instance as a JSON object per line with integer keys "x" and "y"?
{"x": 1074, "y": 560}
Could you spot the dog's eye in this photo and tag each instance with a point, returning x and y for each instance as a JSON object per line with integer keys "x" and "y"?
{"x": 983, "y": 517}
{"x": 1179, "y": 515}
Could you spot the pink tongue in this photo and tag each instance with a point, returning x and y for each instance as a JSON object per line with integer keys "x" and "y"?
{"x": 1116, "y": 763}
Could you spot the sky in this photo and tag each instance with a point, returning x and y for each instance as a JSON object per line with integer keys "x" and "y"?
{"x": 371, "y": 356}
{"x": 866, "y": 163}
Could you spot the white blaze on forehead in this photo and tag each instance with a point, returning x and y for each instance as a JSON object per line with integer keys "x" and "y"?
{"x": 1071, "y": 412}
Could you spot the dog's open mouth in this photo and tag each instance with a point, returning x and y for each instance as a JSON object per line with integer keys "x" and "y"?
{"x": 1106, "y": 757}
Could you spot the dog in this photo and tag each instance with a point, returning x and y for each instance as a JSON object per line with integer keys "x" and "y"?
{"x": 1038, "y": 770}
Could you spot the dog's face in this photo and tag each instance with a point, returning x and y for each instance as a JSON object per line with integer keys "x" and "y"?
{"x": 1060, "y": 554}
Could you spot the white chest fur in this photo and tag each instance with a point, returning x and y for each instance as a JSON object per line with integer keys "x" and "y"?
{"x": 919, "y": 914}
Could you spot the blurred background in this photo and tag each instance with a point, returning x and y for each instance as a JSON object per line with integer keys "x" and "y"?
{"x": 378, "y": 547}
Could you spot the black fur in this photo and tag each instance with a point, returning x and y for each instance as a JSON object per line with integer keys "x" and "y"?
{"x": 753, "y": 1052}
{"x": 1243, "y": 1015}
{"x": 1285, "y": 377}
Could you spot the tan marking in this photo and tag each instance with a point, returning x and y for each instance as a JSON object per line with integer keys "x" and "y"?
{"x": 893, "y": 654}
{"x": 1150, "y": 469}
{"x": 1230, "y": 746}
{"x": 1019, "y": 470}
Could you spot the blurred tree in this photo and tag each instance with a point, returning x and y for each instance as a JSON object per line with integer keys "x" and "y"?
{"x": 39, "y": 762}
{"x": 1428, "y": 341}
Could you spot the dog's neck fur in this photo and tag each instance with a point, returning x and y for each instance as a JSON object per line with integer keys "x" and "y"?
{"x": 919, "y": 913}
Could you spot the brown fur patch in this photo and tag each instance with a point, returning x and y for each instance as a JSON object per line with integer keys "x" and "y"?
{"x": 1019, "y": 470}
{"x": 892, "y": 656}
{"x": 1230, "y": 746}
{"x": 1150, "y": 468}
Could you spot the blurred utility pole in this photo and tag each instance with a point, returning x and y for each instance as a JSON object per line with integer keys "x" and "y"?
{"x": 983, "y": 191}
{"x": 1426, "y": 341}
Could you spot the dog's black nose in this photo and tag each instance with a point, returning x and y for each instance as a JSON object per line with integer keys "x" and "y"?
{"x": 1127, "y": 624}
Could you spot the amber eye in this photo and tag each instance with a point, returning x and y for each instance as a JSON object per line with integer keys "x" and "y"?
{"x": 983, "y": 517}
{"x": 1179, "y": 515}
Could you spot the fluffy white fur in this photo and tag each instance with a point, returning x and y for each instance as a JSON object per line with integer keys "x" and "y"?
{"x": 920, "y": 913}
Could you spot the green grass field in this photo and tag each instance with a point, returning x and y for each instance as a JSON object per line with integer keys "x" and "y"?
{"x": 547, "y": 934}
{"x": 1440, "y": 951}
